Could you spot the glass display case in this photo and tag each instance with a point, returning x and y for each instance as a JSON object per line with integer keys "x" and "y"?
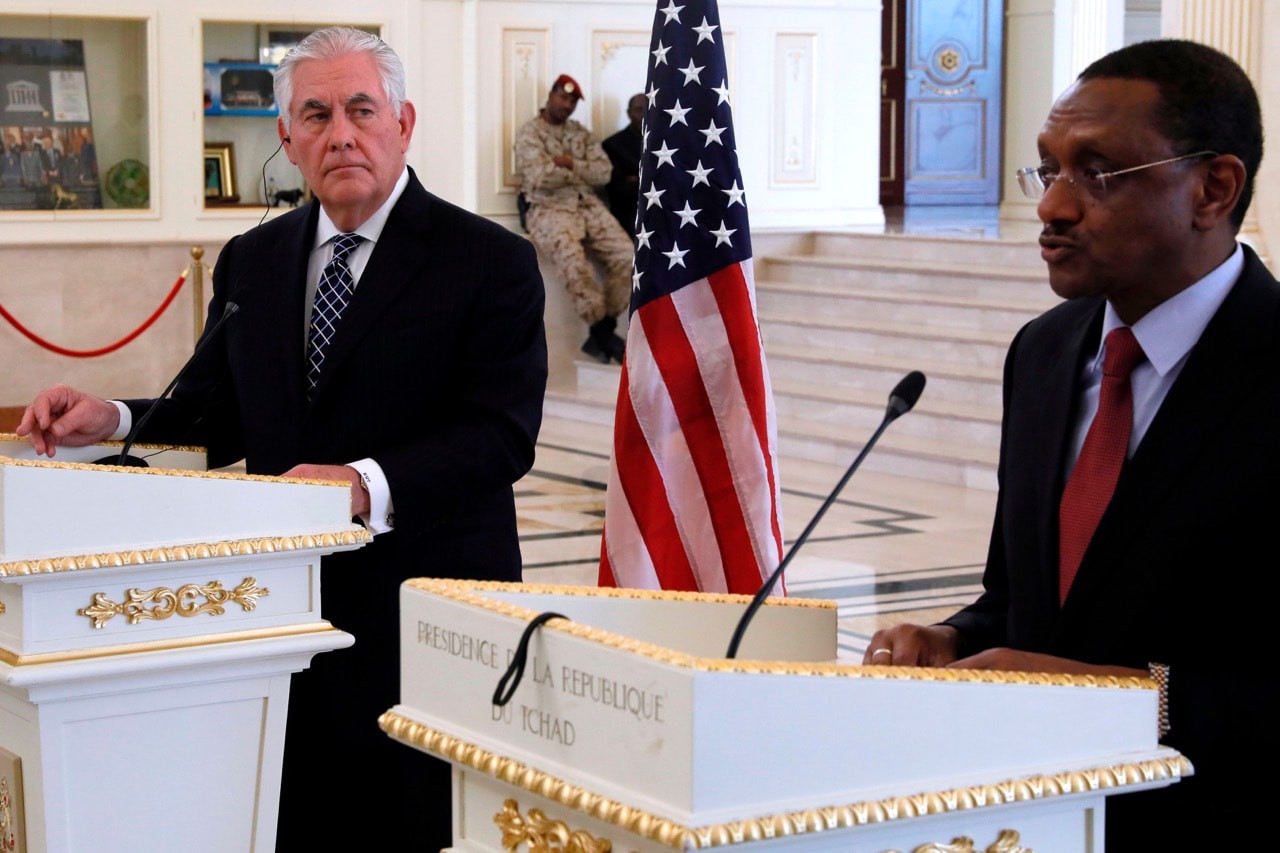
{"x": 74, "y": 115}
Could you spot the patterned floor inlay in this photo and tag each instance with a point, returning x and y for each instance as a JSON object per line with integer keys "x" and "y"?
{"x": 887, "y": 550}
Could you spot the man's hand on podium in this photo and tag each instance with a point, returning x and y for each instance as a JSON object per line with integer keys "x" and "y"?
{"x": 64, "y": 416}
{"x": 359, "y": 496}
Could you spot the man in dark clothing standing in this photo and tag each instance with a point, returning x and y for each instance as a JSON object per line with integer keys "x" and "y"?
{"x": 624, "y": 149}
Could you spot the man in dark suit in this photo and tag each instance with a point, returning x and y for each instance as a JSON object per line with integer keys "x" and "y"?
{"x": 624, "y": 149}
{"x": 1147, "y": 168}
{"x": 427, "y": 400}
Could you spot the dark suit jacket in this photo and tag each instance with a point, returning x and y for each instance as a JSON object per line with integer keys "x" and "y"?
{"x": 1190, "y": 520}
{"x": 624, "y": 149}
{"x": 437, "y": 372}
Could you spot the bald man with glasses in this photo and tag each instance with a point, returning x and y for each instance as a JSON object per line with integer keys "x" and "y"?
{"x": 1140, "y": 447}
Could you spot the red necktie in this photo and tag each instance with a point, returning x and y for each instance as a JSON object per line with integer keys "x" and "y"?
{"x": 1093, "y": 480}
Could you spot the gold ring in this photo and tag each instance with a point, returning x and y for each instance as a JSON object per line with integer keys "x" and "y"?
{"x": 881, "y": 652}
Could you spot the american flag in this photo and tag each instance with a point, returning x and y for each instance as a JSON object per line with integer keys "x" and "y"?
{"x": 693, "y": 496}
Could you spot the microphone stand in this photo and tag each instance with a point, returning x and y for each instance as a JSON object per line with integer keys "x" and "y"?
{"x": 124, "y": 459}
{"x": 901, "y": 400}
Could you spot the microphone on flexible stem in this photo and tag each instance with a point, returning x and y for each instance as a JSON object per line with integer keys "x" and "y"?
{"x": 901, "y": 400}
{"x": 136, "y": 462}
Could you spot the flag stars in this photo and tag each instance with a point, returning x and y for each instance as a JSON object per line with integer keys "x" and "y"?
{"x": 712, "y": 133}
{"x": 635, "y": 277}
{"x": 691, "y": 72}
{"x": 664, "y": 155}
{"x": 660, "y": 55}
{"x": 735, "y": 194}
{"x": 672, "y": 11}
{"x": 653, "y": 195}
{"x": 676, "y": 256}
{"x": 700, "y": 174}
{"x": 687, "y": 215}
{"x": 722, "y": 234}
{"x": 652, "y": 95}
{"x": 677, "y": 114}
{"x": 643, "y": 234}
{"x": 705, "y": 31}
{"x": 722, "y": 90}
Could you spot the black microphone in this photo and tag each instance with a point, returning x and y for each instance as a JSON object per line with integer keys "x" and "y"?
{"x": 136, "y": 462}
{"x": 901, "y": 400}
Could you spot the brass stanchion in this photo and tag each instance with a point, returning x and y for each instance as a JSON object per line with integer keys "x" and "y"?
{"x": 197, "y": 289}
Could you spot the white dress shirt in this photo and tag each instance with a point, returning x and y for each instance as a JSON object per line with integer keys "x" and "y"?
{"x": 1167, "y": 334}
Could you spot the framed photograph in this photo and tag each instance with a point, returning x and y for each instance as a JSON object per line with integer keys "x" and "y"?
{"x": 220, "y": 173}
{"x": 239, "y": 89}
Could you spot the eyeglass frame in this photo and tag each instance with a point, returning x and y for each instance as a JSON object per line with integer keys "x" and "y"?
{"x": 1040, "y": 187}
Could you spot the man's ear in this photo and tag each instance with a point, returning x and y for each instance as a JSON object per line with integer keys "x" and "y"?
{"x": 285, "y": 140}
{"x": 1224, "y": 181}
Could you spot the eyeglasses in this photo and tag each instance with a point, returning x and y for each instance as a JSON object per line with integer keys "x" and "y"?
{"x": 1036, "y": 180}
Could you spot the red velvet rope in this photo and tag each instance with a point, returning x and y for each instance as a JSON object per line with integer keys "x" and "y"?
{"x": 93, "y": 353}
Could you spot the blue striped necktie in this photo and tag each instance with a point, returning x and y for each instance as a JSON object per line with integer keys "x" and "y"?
{"x": 332, "y": 295}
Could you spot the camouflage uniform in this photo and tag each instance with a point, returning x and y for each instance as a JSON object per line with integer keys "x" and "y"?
{"x": 566, "y": 217}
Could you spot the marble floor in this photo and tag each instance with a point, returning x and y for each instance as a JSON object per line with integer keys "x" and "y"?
{"x": 889, "y": 549}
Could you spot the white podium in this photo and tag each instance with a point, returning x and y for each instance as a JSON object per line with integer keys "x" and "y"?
{"x": 150, "y": 620}
{"x": 631, "y": 731}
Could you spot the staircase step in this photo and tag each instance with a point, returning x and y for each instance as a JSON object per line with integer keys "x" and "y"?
{"x": 912, "y": 276}
{"x": 925, "y": 310}
{"x": 947, "y": 381}
{"x": 1021, "y": 252}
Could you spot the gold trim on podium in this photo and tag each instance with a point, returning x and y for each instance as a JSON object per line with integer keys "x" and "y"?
{"x": 473, "y": 594}
{"x": 1006, "y": 842}
{"x": 16, "y": 660}
{"x": 544, "y": 835}
{"x": 676, "y": 836}
{"x": 162, "y": 602}
{"x": 181, "y": 553}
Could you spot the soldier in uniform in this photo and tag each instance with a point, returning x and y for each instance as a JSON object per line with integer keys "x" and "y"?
{"x": 561, "y": 163}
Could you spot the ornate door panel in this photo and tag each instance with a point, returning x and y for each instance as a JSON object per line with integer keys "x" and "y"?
{"x": 953, "y": 71}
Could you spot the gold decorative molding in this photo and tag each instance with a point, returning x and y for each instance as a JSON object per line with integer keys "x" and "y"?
{"x": 671, "y": 834}
{"x": 13, "y": 436}
{"x": 970, "y": 88}
{"x": 1006, "y": 842}
{"x": 182, "y": 553}
{"x": 544, "y": 835}
{"x": 474, "y": 594}
{"x": 164, "y": 472}
{"x": 1, "y": 608}
{"x": 115, "y": 650}
{"x": 166, "y": 602}
{"x": 948, "y": 59}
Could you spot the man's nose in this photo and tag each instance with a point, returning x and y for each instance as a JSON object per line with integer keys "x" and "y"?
{"x": 341, "y": 132}
{"x": 1060, "y": 202}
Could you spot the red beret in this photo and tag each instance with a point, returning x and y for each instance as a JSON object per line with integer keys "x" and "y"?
{"x": 568, "y": 85}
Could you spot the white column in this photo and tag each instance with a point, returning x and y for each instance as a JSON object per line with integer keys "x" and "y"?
{"x": 1235, "y": 28}
{"x": 1038, "y": 66}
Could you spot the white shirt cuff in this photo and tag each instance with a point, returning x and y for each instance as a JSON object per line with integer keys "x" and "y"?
{"x": 381, "y": 517}
{"x": 126, "y": 422}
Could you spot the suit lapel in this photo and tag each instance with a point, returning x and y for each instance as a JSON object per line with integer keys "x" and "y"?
{"x": 1204, "y": 398}
{"x": 1061, "y": 392}
{"x": 281, "y": 284}
{"x": 400, "y": 252}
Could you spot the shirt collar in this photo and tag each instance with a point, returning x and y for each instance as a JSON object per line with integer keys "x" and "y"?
{"x": 371, "y": 228}
{"x": 1169, "y": 331}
